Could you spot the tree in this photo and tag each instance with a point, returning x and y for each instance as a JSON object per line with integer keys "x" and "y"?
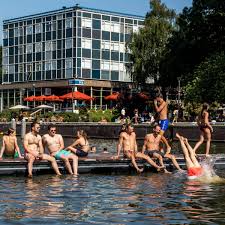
{"x": 209, "y": 82}
{"x": 1, "y": 64}
{"x": 148, "y": 45}
{"x": 200, "y": 33}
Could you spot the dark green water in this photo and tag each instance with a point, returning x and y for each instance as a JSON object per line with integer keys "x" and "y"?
{"x": 99, "y": 199}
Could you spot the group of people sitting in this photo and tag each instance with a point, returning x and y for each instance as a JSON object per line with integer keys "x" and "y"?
{"x": 34, "y": 146}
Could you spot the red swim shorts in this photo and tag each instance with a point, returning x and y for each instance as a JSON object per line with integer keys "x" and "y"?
{"x": 195, "y": 171}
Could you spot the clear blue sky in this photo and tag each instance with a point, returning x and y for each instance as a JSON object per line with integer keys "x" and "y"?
{"x": 16, "y": 8}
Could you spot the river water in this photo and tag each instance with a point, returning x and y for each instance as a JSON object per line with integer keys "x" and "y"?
{"x": 149, "y": 198}
{"x": 111, "y": 199}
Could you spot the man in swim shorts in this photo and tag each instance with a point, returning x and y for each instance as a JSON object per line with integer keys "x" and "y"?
{"x": 151, "y": 147}
{"x": 55, "y": 145}
{"x": 34, "y": 149}
{"x": 10, "y": 148}
{"x": 162, "y": 109}
{"x": 194, "y": 169}
{"x": 127, "y": 141}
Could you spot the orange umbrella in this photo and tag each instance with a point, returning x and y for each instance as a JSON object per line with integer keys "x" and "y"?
{"x": 39, "y": 98}
{"x": 53, "y": 98}
{"x": 113, "y": 96}
{"x": 29, "y": 99}
{"x": 76, "y": 95}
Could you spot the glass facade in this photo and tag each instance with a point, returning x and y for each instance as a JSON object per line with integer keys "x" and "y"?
{"x": 74, "y": 42}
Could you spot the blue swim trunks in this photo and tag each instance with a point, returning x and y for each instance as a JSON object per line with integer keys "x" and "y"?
{"x": 62, "y": 153}
{"x": 164, "y": 124}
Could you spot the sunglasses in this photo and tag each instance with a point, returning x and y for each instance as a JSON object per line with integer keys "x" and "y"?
{"x": 52, "y": 130}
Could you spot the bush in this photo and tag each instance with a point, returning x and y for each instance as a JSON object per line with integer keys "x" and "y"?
{"x": 97, "y": 115}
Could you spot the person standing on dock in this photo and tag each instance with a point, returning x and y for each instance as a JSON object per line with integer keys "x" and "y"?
{"x": 205, "y": 128}
{"x": 161, "y": 108}
{"x": 151, "y": 147}
{"x": 127, "y": 142}
{"x": 34, "y": 149}
{"x": 55, "y": 144}
{"x": 10, "y": 148}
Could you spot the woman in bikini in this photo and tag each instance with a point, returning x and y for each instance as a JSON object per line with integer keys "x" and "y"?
{"x": 205, "y": 128}
{"x": 80, "y": 146}
{"x": 194, "y": 169}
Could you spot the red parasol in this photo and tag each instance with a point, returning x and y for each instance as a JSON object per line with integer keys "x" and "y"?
{"x": 76, "y": 95}
{"x": 53, "y": 98}
{"x": 113, "y": 96}
{"x": 29, "y": 99}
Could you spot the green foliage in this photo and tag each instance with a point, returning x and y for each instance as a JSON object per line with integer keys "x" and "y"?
{"x": 200, "y": 33}
{"x": 98, "y": 115}
{"x": 209, "y": 82}
{"x": 0, "y": 64}
{"x": 148, "y": 45}
{"x": 5, "y": 116}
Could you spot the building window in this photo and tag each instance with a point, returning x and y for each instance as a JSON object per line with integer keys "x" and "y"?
{"x": 38, "y": 67}
{"x": 54, "y": 65}
{"x": 48, "y": 26}
{"x": 48, "y": 66}
{"x": 53, "y": 26}
{"x": 106, "y": 26}
{"x": 97, "y": 24}
{"x": 5, "y": 69}
{"x": 38, "y": 47}
{"x": 86, "y": 22}
{"x": 122, "y": 47}
{"x": 20, "y": 69}
{"x": 5, "y": 34}
{"x": 115, "y": 27}
{"x": 29, "y": 30}
{"x": 5, "y": 60}
{"x": 69, "y": 43}
{"x": 86, "y": 63}
{"x": 38, "y": 28}
{"x": 16, "y": 32}
{"x": 128, "y": 29}
{"x": 69, "y": 23}
{"x": 28, "y": 69}
{"x": 5, "y": 52}
{"x": 114, "y": 46}
{"x": 53, "y": 45}
{"x": 48, "y": 46}
{"x": 86, "y": 43}
{"x": 115, "y": 66}
{"x": 29, "y": 48}
{"x": 105, "y": 45}
{"x": 105, "y": 65}
{"x": 105, "y": 75}
{"x": 20, "y": 31}
{"x": 20, "y": 50}
{"x": 69, "y": 66}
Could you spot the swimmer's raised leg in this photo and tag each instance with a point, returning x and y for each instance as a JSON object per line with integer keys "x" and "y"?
{"x": 188, "y": 160}
{"x": 191, "y": 153}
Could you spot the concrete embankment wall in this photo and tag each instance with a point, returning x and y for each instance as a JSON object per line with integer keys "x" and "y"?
{"x": 111, "y": 130}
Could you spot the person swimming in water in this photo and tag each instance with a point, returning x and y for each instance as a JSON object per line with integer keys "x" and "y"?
{"x": 10, "y": 148}
{"x": 194, "y": 169}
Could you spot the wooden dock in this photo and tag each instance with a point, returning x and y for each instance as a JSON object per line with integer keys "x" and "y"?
{"x": 92, "y": 164}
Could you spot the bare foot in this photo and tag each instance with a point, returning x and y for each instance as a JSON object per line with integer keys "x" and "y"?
{"x": 140, "y": 170}
{"x": 160, "y": 168}
{"x": 29, "y": 175}
{"x": 166, "y": 171}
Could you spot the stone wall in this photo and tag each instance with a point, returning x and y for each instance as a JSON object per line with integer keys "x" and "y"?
{"x": 111, "y": 130}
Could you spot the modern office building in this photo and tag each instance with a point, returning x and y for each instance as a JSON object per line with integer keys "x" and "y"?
{"x": 42, "y": 52}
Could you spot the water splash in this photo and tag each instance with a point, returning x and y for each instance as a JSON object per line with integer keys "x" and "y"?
{"x": 209, "y": 174}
